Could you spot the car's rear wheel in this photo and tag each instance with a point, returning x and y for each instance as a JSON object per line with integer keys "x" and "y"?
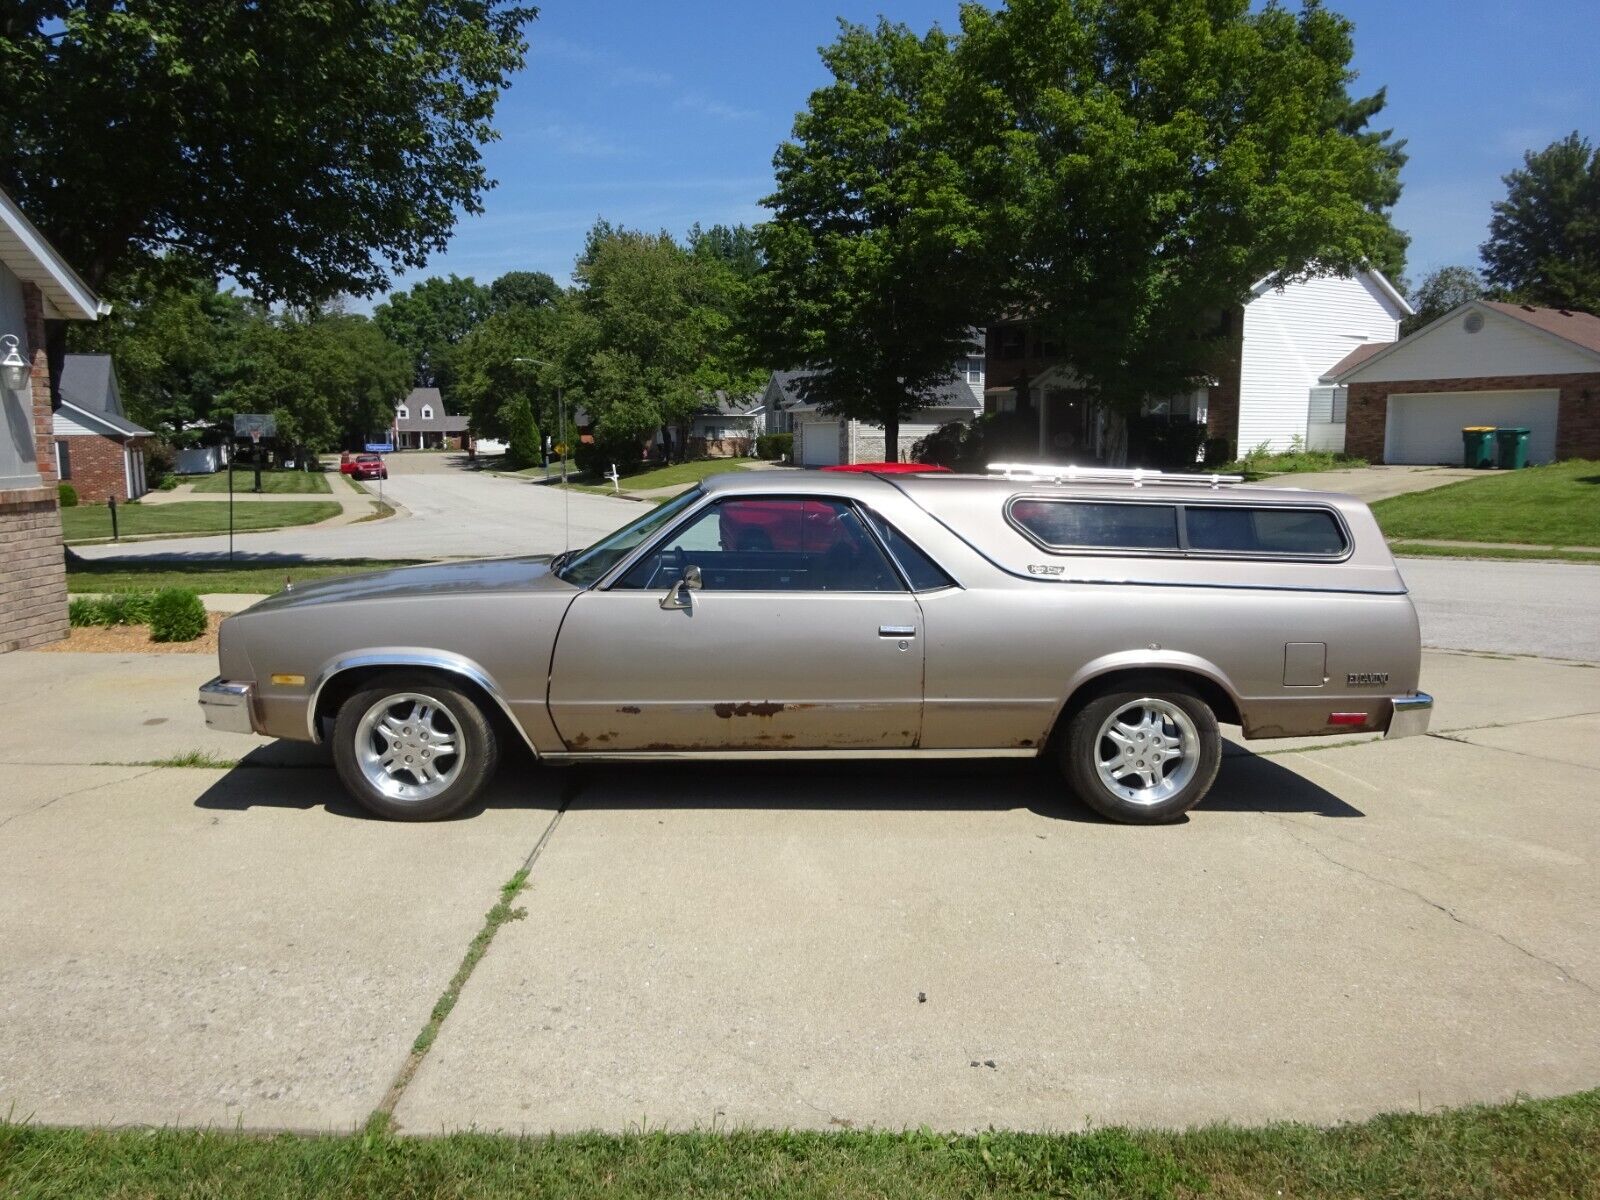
{"x": 1142, "y": 755}
{"x": 412, "y": 748}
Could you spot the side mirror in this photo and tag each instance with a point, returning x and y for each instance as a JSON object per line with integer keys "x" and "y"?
{"x": 678, "y": 595}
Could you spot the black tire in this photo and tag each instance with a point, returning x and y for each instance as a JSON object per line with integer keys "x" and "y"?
{"x": 1081, "y": 751}
{"x": 455, "y": 711}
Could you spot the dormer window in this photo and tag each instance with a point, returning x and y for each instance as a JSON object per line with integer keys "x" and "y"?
{"x": 403, "y": 413}
{"x": 427, "y": 412}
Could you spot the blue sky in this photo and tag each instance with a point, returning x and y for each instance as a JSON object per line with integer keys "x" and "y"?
{"x": 657, "y": 115}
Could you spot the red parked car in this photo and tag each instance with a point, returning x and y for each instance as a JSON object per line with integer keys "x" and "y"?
{"x": 367, "y": 466}
{"x": 347, "y": 462}
{"x": 888, "y": 468}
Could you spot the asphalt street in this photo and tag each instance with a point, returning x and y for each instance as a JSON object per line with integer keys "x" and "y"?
{"x": 1546, "y": 609}
{"x": 449, "y": 512}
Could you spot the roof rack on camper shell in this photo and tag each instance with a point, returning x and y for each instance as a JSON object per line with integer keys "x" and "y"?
{"x": 1068, "y": 473}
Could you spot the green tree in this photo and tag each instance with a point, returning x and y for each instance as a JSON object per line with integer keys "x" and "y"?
{"x": 647, "y": 336}
{"x": 303, "y": 147}
{"x": 523, "y": 289}
{"x": 874, "y": 273}
{"x": 1439, "y": 292}
{"x": 176, "y": 344}
{"x": 328, "y": 380}
{"x": 492, "y": 388}
{"x": 736, "y": 246}
{"x": 427, "y": 319}
{"x": 1145, "y": 162}
{"x": 1544, "y": 237}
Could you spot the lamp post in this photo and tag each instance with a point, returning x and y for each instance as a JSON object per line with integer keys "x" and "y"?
{"x": 561, "y": 408}
{"x": 14, "y": 369}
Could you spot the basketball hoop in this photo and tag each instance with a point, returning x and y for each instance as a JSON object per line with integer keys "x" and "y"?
{"x": 255, "y": 437}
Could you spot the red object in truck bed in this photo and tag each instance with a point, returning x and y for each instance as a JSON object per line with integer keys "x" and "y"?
{"x": 888, "y": 468}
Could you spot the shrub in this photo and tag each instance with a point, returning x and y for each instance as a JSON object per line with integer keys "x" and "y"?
{"x": 524, "y": 447}
{"x": 176, "y": 615}
{"x": 595, "y": 458}
{"x": 168, "y": 482}
{"x": 971, "y": 446}
{"x": 772, "y": 446}
{"x": 68, "y": 494}
{"x": 114, "y": 608}
{"x": 1165, "y": 443}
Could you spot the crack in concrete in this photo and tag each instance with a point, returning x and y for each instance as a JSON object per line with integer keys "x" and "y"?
{"x": 382, "y": 1117}
{"x": 1510, "y": 724}
{"x": 1542, "y": 758}
{"x": 93, "y": 787}
{"x": 1566, "y": 974}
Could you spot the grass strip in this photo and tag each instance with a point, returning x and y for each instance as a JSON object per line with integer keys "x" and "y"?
{"x": 1503, "y": 553}
{"x": 89, "y": 522}
{"x": 1532, "y": 1148}
{"x": 120, "y": 575}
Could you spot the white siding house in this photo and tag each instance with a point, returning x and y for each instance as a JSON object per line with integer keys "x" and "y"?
{"x": 1292, "y": 336}
{"x": 822, "y": 441}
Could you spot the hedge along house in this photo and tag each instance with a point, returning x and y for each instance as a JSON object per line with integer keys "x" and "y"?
{"x": 98, "y": 450}
{"x": 36, "y": 285}
{"x": 1484, "y": 363}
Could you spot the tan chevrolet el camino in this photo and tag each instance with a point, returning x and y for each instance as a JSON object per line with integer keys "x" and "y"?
{"x": 1106, "y": 620}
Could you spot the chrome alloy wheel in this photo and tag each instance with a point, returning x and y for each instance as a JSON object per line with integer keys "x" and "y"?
{"x": 409, "y": 746}
{"x": 1147, "y": 751}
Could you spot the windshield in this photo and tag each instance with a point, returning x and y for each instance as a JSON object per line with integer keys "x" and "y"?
{"x": 589, "y": 565}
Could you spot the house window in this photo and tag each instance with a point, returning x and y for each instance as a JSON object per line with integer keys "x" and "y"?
{"x": 427, "y": 412}
{"x": 1012, "y": 339}
{"x": 974, "y": 368}
{"x": 403, "y": 413}
{"x": 63, "y": 460}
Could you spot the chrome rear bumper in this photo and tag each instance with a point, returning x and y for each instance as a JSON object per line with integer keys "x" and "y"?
{"x": 1410, "y": 716}
{"x": 228, "y": 706}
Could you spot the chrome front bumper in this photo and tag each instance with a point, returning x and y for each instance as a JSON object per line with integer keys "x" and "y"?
{"x": 228, "y": 706}
{"x": 1411, "y": 715}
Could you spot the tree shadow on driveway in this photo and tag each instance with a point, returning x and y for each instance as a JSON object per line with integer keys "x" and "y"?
{"x": 272, "y": 777}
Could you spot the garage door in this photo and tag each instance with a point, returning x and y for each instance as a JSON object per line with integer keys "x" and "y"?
{"x": 819, "y": 444}
{"x": 1426, "y": 428}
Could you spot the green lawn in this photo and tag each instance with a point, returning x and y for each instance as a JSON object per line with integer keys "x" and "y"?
{"x": 277, "y": 482}
{"x": 90, "y": 576}
{"x": 1259, "y": 466}
{"x": 87, "y": 522}
{"x": 687, "y": 472}
{"x": 1502, "y": 553}
{"x": 1533, "y": 1149}
{"x": 1556, "y": 505}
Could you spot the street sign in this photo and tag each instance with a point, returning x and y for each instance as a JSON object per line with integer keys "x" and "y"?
{"x": 255, "y": 426}
{"x": 380, "y": 447}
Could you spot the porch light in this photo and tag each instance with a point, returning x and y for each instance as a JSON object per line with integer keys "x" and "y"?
{"x": 14, "y": 369}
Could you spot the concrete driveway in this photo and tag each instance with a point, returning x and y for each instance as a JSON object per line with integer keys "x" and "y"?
{"x": 448, "y": 511}
{"x": 1391, "y": 925}
{"x": 1372, "y": 484}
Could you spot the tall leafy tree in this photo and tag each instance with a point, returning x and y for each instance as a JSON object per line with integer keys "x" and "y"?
{"x": 735, "y": 246}
{"x": 501, "y": 395}
{"x": 523, "y": 289}
{"x": 1144, "y": 162}
{"x": 429, "y": 318}
{"x": 648, "y": 335}
{"x": 1439, "y": 292}
{"x": 874, "y": 273}
{"x": 1544, "y": 237}
{"x": 328, "y": 380}
{"x": 176, "y": 340}
{"x": 302, "y": 147}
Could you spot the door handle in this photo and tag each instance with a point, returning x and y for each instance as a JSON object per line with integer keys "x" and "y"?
{"x": 897, "y": 631}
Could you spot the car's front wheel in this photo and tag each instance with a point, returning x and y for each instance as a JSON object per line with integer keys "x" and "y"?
{"x": 412, "y": 748}
{"x": 1142, "y": 756}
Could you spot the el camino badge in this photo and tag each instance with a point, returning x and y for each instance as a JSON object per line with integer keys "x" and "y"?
{"x": 1045, "y": 569}
{"x": 1358, "y": 678}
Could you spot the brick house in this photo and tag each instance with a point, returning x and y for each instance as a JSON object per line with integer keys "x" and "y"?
{"x": 36, "y": 285}
{"x": 1483, "y": 363}
{"x": 98, "y": 450}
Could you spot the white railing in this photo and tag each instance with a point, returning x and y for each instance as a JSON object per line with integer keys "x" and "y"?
{"x": 1067, "y": 473}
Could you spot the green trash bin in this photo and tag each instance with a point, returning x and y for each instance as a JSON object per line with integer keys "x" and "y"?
{"x": 1513, "y": 446}
{"x": 1477, "y": 446}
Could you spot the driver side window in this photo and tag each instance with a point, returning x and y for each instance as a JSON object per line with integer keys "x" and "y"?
{"x": 778, "y": 544}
